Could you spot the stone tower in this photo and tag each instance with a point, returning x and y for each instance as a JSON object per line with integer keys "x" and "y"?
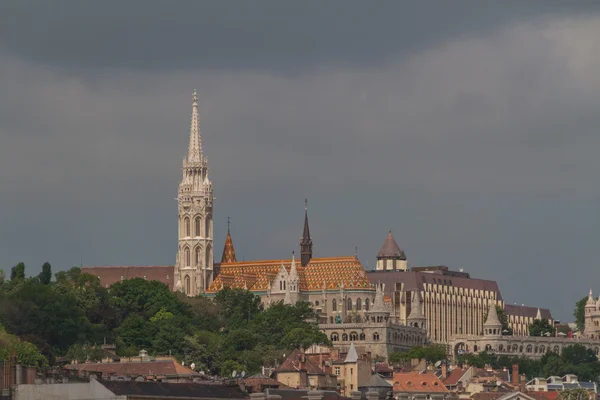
{"x": 306, "y": 242}
{"x": 391, "y": 257}
{"x": 194, "y": 263}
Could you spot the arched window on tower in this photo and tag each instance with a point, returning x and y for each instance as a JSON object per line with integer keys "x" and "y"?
{"x": 187, "y": 284}
{"x": 367, "y": 304}
{"x": 187, "y": 257}
{"x": 334, "y": 305}
{"x": 349, "y": 304}
{"x": 197, "y": 225}
{"x": 197, "y": 256}
{"x": 207, "y": 257}
{"x": 358, "y": 304}
{"x": 186, "y": 223}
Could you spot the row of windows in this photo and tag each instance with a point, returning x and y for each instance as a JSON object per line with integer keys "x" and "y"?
{"x": 349, "y": 305}
{"x": 197, "y": 253}
{"x": 335, "y": 337}
{"x": 187, "y": 226}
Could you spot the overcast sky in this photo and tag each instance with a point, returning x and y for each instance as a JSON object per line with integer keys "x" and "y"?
{"x": 471, "y": 129}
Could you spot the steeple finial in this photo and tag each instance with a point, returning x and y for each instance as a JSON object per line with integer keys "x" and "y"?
{"x": 195, "y": 146}
{"x": 228, "y": 224}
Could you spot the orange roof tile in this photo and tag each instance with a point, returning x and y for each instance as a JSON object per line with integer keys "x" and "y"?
{"x": 454, "y": 376}
{"x": 417, "y": 382}
{"x": 257, "y": 276}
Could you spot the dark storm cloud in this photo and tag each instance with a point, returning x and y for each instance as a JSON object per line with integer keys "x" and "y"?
{"x": 471, "y": 132}
{"x": 273, "y": 35}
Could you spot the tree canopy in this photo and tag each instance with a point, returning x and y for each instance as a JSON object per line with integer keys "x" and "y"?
{"x": 73, "y": 314}
{"x": 579, "y": 313}
{"x": 541, "y": 327}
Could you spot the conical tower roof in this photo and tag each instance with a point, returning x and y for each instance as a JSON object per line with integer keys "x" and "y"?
{"x": 390, "y": 249}
{"x": 228, "y": 249}
{"x": 492, "y": 320}
{"x": 416, "y": 310}
{"x": 352, "y": 355}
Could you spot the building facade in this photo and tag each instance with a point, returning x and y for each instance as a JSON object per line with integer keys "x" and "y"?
{"x": 452, "y": 302}
{"x": 493, "y": 341}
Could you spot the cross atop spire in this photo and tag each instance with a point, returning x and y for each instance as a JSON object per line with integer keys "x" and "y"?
{"x": 228, "y": 249}
{"x": 195, "y": 146}
{"x": 228, "y": 223}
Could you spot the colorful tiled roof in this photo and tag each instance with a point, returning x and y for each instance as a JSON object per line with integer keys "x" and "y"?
{"x": 320, "y": 273}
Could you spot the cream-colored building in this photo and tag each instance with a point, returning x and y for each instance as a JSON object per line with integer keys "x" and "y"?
{"x": 452, "y": 302}
{"x": 492, "y": 341}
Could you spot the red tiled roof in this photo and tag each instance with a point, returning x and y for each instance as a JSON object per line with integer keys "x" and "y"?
{"x": 544, "y": 395}
{"x": 293, "y": 364}
{"x": 416, "y": 382}
{"x": 144, "y": 368}
{"x": 112, "y": 274}
{"x": 454, "y": 376}
{"x": 329, "y": 272}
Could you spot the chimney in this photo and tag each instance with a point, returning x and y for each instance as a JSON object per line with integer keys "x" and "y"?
{"x": 522, "y": 384}
{"x": 515, "y": 375}
{"x": 444, "y": 370}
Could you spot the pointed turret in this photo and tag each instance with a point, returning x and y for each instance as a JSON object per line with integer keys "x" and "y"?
{"x": 590, "y": 300}
{"x": 293, "y": 269}
{"x": 352, "y": 355}
{"x": 195, "y": 146}
{"x": 390, "y": 256}
{"x": 416, "y": 317}
{"x": 306, "y": 242}
{"x": 228, "y": 249}
{"x": 538, "y": 315}
{"x": 492, "y": 325}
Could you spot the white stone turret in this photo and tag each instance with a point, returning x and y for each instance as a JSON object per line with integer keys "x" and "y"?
{"x": 492, "y": 325}
{"x": 194, "y": 264}
{"x": 379, "y": 312}
{"x": 416, "y": 317}
{"x": 294, "y": 281}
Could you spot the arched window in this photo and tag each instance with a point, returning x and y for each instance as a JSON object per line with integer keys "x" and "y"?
{"x": 353, "y": 336}
{"x": 197, "y": 256}
{"x": 187, "y": 257}
{"x": 367, "y": 304}
{"x": 362, "y": 336}
{"x": 358, "y": 304}
{"x": 334, "y": 305}
{"x": 349, "y": 304}
{"x": 529, "y": 348}
{"x": 187, "y": 285}
{"x": 375, "y": 336}
{"x": 207, "y": 256}
{"x": 557, "y": 349}
{"x": 197, "y": 224}
{"x": 335, "y": 337}
{"x": 186, "y": 223}
{"x": 344, "y": 337}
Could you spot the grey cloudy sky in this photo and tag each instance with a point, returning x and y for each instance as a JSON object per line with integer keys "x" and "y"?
{"x": 469, "y": 128}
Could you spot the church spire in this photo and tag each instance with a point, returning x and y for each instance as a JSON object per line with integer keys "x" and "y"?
{"x": 195, "y": 146}
{"x": 228, "y": 249}
{"x": 306, "y": 242}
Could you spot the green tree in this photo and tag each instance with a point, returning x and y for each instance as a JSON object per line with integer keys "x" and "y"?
{"x": 541, "y": 327}
{"x": 576, "y": 394}
{"x": 17, "y": 272}
{"x": 577, "y": 354}
{"x": 579, "y": 313}
{"x": 46, "y": 275}
{"x": 203, "y": 349}
{"x": 237, "y": 307}
{"x": 431, "y": 354}
{"x": 27, "y": 353}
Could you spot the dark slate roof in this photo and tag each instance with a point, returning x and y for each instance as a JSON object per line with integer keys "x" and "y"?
{"x": 375, "y": 381}
{"x": 524, "y": 311}
{"x": 172, "y": 390}
{"x": 391, "y": 249}
{"x": 413, "y": 280}
{"x": 295, "y": 394}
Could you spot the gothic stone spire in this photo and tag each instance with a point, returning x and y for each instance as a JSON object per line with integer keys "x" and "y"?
{"x": 306, "y": 242}
{"x": 195, "y": 146}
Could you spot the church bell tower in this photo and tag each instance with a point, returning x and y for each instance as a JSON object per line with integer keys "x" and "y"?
{"x": 194, "y": 263}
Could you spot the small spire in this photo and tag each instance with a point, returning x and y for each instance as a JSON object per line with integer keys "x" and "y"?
{"x": 228, "y": 249}
{"x": 306, "y": 242}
